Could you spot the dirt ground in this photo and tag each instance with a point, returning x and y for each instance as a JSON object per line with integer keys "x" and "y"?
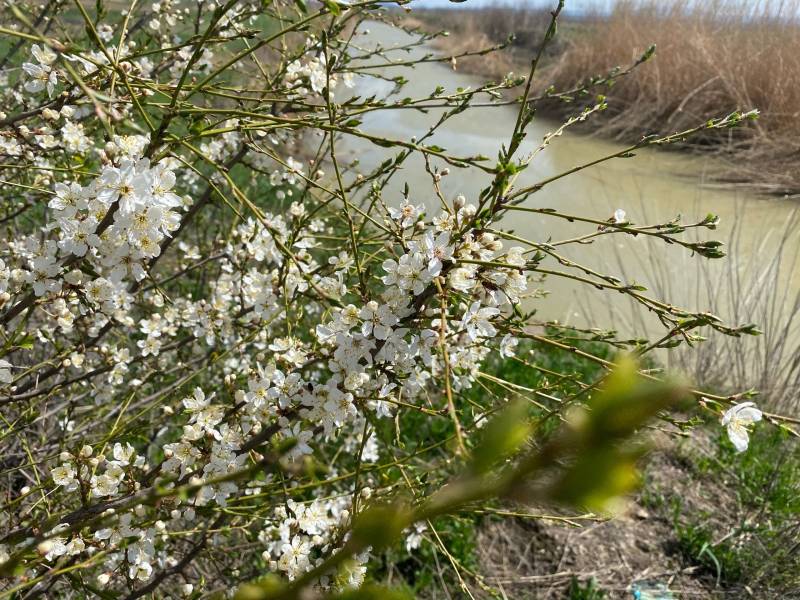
{"x": 635, "y": 555}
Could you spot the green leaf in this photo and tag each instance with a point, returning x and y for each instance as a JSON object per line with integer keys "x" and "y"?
{"x": 598, "y": 478}
{"x": 26, "y": 342}
{"x": 380, "y": 525}
{"x": 332, "y": 6}
{"x": 503, "y": 436}
{"x": 626, "y": 402}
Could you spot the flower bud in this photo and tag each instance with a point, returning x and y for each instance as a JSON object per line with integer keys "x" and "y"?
{"x": 110, "y": 149}
{"x": 44, "y": 547}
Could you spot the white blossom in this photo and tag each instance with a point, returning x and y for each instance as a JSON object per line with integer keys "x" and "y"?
{"x": 737, "y": 420}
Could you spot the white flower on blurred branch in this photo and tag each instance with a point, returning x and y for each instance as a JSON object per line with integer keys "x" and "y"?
{"x": 738, "y": 420}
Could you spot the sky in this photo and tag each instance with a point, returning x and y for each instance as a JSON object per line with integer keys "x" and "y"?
{"x": 575, "y": 6}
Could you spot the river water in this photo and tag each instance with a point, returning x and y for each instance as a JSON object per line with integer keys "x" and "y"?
{"x": 653, "y": 187}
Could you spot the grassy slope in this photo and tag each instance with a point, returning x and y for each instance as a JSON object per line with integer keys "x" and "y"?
{"x": 707, "y": 522}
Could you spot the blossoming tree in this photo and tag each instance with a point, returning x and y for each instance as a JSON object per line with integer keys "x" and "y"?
{"x": 210, "y": 348}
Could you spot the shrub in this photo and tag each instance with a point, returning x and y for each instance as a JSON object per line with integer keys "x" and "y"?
{"x": 212, "y": 350}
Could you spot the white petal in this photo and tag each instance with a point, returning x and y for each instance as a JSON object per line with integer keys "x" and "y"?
{"x": 739, "y": 438}
{"x": 749, "y": 414}
{"x": 735, "y": 411}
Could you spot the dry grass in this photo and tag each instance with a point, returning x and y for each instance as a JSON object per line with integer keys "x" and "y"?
{"x": 756, "y": 288}
{"x": 473, "y": 29}
{"x": 712, "y": 57}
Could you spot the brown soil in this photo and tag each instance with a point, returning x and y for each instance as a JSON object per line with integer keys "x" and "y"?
{"x": 538, "y": 559}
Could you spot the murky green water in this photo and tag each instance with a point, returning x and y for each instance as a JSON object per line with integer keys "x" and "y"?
{"x": 652, "y": 187}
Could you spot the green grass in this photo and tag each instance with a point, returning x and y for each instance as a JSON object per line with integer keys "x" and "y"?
{"x": 758, "y": 546}
{"x": 585, "y": 591}
{"x": 428, "y": 566}
{"x": 695, "y": 542}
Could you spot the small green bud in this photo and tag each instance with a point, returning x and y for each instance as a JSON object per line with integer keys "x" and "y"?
{"x": 503, "y": 436}
{"x": 380, "y": 525}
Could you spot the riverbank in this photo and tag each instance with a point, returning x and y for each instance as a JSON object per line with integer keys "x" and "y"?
{"x": 680, "y": 537}
{"x": 683, "y": 535}
{"x": 757, "y": 284}
{"x": 707, "y": 522}
{"x": 711, "y": 58}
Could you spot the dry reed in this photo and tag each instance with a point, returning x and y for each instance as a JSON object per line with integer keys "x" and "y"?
{"x": 754, "y": 286}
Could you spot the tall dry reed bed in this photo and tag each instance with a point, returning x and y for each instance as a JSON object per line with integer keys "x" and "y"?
{"x": 712, "y": 57}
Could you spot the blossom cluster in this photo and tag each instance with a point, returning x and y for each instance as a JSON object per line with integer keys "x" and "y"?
{"x": 376, "y": 354}
{"x": 363, "y": 353}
